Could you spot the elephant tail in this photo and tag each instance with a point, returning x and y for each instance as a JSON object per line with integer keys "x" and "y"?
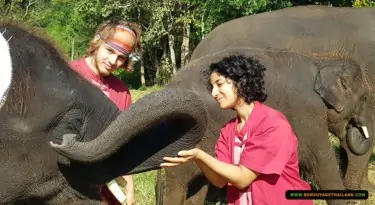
{"x": 160, "y": 189}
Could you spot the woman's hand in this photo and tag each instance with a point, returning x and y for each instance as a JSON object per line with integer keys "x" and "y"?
{"x": 183, "y": 157}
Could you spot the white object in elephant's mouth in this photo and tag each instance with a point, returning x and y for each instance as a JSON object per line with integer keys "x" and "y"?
{"x": 6, "y": 68}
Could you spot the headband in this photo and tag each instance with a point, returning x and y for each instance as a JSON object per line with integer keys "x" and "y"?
{"x": 121, "y": 40}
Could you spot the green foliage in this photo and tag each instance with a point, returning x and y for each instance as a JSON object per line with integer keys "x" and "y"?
{"x": 215, "y": 12}
{"x": 164, "y": 71}
{"x": 72, "y": 23}
{"x": 56, "y": 20}
{"x": 364, "y": 3}
{"x": 132, "y": 79}
{"x": 154, "y": 29}
{"x": 337, "y": 3}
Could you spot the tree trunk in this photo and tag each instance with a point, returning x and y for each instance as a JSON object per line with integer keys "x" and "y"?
{"x": 170, "y": 36}
{"x": 172, "y": 53}
{"x": 202, "y": 28}
{"x": 28, "y": 5}
{"x": 143, "y": 81}
{"x": 185, "y": 44}
{"x": 72, "y": 53}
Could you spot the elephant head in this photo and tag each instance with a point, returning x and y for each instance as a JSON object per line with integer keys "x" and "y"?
{"x": 344, "y": 88}
{"x": 46, "y": 100}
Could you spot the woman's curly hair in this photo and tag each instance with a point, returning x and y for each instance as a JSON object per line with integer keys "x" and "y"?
{"x": 246, "y": 73}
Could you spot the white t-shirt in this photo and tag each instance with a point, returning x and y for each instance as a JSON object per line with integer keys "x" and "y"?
{"x": 245, "y": 195}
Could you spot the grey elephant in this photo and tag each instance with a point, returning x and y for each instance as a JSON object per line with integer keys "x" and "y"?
{"x": 300, "y": 86}
{"x": 323, "y": 32}
{"x": 47, "y": 100}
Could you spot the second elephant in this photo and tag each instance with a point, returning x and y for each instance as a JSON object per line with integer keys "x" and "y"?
{"x": 319, "y": 31}
{"x": 302, "y": 88}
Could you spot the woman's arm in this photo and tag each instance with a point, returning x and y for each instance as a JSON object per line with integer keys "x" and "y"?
{"x": 216, "y": 179}
{"x": 240, "y": 176}
{"x": 217, "y": 172}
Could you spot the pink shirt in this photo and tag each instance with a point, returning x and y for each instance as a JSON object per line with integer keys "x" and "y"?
{"x": 111, "y": 86}
{"x": 268, "y": 146}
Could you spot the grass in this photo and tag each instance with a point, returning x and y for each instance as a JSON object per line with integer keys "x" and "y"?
{"x": 145, "y": 182}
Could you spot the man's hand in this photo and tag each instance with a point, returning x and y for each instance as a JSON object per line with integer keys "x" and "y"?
{"x": 130, "y": 198}
{"x": 130, "y": 190}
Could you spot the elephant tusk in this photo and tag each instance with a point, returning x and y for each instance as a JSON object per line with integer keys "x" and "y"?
{"x": 116, "y": 191}
{"x": 364, "y": 129}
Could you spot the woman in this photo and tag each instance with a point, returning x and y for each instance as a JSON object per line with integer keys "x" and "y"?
{"x": 256, "y": 153}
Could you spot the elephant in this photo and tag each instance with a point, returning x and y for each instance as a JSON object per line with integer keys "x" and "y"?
{"x": 316, "y": 94}
{"x": 318, "y": 31}
{"x": 47, "y": 104}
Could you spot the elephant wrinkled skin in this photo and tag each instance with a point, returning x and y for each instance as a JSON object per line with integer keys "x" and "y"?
{"x": 317, "y": 31}
{"x": 317, "y": 95}
{"x": 322, "y": 32}
{"x": 47, "y": 100}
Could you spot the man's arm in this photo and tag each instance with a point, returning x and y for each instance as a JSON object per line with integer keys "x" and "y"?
{"x": 130, "y": 190}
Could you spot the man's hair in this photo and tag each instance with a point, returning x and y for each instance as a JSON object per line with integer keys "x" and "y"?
{"x": 246, "y": 73}
{"x": 107, "y": 31}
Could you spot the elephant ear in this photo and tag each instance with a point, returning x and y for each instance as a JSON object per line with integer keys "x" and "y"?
{"x": 333, "y": 82}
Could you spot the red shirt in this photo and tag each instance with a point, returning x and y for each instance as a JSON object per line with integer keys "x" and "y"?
{"x": 111, "y": 86}
{"x": 270, "y": 148}
{"x": 117, "y": 92}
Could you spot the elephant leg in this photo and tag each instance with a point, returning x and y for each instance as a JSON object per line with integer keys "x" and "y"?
{"x": 317, "y": 157}
{"x": 183, "y": 187}
{"x": 175, "y": 187}
{"x": 186, "y": 184}
{"x": 322, "y": 165}
{"x": 178, "y": 179}
{"x": 355, "y": 168}
{"x": 197, "y": 193}
{"x": 199, "y": 189}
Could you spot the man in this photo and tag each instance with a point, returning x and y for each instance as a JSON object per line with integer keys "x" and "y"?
{"x": 113, "y": 47}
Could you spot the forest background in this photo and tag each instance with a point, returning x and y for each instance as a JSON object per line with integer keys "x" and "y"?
{"x": 171, "y": 31}
{"x": 171, "y": 28}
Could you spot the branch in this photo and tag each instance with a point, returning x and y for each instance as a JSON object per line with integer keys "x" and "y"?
{"x": 28, "y": 5}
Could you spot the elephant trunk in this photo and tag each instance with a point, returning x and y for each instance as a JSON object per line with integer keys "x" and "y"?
{"x": 358, "y": 139}
{"x": 153, "y": 108}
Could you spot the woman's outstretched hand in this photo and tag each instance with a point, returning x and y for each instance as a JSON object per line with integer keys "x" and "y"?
{"x": 183, "y": 157}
